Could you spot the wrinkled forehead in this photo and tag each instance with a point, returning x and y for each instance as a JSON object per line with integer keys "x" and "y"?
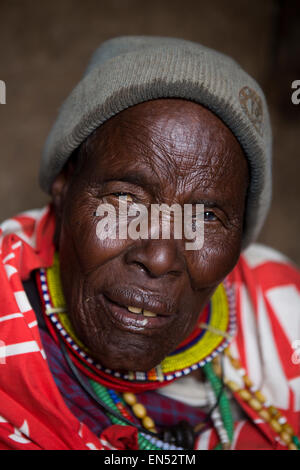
{"x": 168, "y": 133}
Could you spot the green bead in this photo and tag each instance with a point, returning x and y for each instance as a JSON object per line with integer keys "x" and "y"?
{"x": 142, "y": 443}
{"x": 103, "y": 394}
{"x": 218, "y": 447}
{"x": 148, "y": 447}
{"x": 296, "y": 441}
{"x": 224, "y": 404}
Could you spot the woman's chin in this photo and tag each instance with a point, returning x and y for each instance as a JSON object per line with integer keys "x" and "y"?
{"x": 126, "y": 364}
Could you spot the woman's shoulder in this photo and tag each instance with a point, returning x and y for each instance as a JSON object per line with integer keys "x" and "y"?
{"x": 269, "y": 267}
{"x": 257, "y": 254}
{"x": 267, "y": 287}
{"x": 264, "y": 275}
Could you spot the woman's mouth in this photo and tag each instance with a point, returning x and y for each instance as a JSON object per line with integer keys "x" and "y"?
{"x": 135, "y": 318}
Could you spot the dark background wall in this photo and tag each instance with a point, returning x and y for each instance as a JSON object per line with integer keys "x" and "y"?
{"x": 45, "y": 46}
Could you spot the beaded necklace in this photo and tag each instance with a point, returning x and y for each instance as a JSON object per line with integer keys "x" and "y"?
{"x": 58, "y": 323}
{"x": 211, "y": 336}
{"x": 258, "y": 402}
{"x": 171, "y": 438}
{"x": 215, "y": 336}
{"x": 182, "y": 435}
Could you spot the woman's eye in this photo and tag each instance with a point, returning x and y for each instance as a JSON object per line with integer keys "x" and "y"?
{"x": 125, "y": 196}
{"x": 210, "y": 216}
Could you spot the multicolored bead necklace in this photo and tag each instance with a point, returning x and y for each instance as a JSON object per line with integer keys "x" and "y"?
{"x": 199, "y": 350}
{"x": 187, "y": 436}
{"x": 209, "y": 338}
{"x": 259, "y": 403}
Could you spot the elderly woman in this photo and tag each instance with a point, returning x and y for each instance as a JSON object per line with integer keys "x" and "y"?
{"x": 138, "y": 342}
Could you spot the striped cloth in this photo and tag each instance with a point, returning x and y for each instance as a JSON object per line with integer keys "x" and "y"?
{"x": 33, "y": 411}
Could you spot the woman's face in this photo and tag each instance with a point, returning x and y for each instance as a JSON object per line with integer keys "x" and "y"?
{"x": 163, "y": 151}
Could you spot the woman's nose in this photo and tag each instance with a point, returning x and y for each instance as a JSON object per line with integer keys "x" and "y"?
{"x": 156, "y": 257}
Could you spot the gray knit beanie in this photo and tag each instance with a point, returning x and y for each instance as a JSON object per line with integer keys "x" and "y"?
{"x": 128, "y": 70}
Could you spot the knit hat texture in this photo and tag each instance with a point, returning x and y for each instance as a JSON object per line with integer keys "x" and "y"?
{"x": 128, "y": 70}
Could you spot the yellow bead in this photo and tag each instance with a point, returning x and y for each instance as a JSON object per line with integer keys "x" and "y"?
{"x": 153, "y": 430}
{"x": 292, "y": 446}
{"x": 265, "y": 415}
{"x": 248, "y": 383}
{"x": 286, "y": 437}
{"x": 236, "y": 363}
{"x": 218, "y": 369}
{"x": 287, "y": 428}
{"x": 129, "y": 398}
{"x": 139, "y": 410}
{"x": 245, "y": 395}
{"x": 260, "y": 396}
{"x": 273, "y": 411}
{"x": 275, "y": 425}
{"x": 148, "y": 422}
{"x": 232, "y": 385}
{"x": 255, "y": 404}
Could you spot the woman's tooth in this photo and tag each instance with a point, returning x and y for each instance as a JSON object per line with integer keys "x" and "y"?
{"x": 134, "y": 309}
{"x": 147, "y": 313}
{"x": 139, "y": 310}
